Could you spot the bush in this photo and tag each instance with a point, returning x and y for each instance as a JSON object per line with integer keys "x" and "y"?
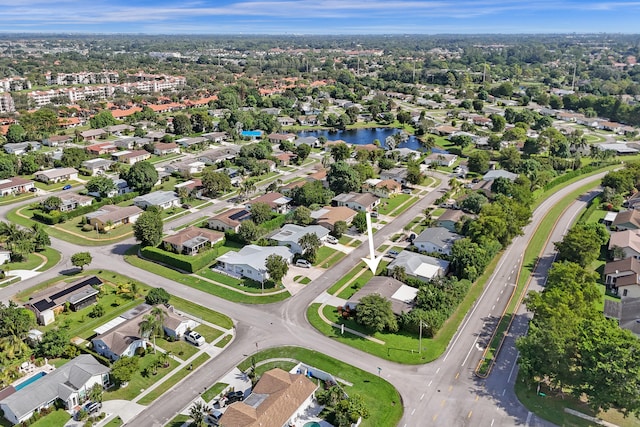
{"x": 140, "y": 351}
{"x": 157, "y": 296}
{"x": 187, "y": 263}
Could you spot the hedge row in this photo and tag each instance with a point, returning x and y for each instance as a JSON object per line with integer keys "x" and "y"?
{"x": 187, "y": 263}
{"x": 570, "y": 175}
{"x": 55, "y": 217}
{"x": 274, "y": 224}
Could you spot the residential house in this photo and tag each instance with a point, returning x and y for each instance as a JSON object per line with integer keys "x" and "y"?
{"x": 176, "y": 325}
{"x": 250, "y": 261}
{"x": 449, "y": 218}
{"x": 365, "y": 202}
{"x": 633, "y": 201}
{"x": 194, "y": 143}
{"x": 621, "y": 149}
{"x": 5, "y": 256}
{"x": 311, "y": 141}
{"x": 93, "y": 134}
{"x": 286, "y": 121}
{"x": 123, "y": 338}
{"x": 441, "y": 159}
{"x": 191, "y": 240}
{"x": 217, "y": 155}
{"x": 628, "y": 241}
{"x": 119, "y": 129}
{"x": 623, "y": 277}
{"x": 131, "y": 143}
{"x": 20, "y": 148}
{"x": 186, "y": 166}
{"x": 15, "y": 185}
{"x": 397, "y": 174}
{"x": 627, "y": 220}
{"x": 278, "y": 399}
{"x": 499, "y": 173}
{"x": 53, "y": 300}
{"x": 51, "y": 176}
{"x": 155, "y": 135}
{"x": 276, "y": 201}
{"x": 290, "y": 234}
{"x": 71, "y": 201}
{"x": 437, "y": 239}
{"x": 329, "y": 215}
{"x": 56, "y": 140}
{"x": 101, "y": 148}
{"x": 419, "y": 266}
{"x": 215, "y": 137}
{"x": 193, "y": 187}
{"x": 401, "y": 296}
{"x": 625, "y": 312}
{"x": 279, "y": 138}
{"x": 131, "y": 157}
{"x": 445, "y": 130}
{"x": 407, "y": 153}
{"x": 69, "y": 384}
{"x": 229, "y": 220}
{"x": 111, "y": 216}
{"x": 160, "y": 199}
{"x": 97, "y": 166}
{"x": 284, "y": 159}
{"x": 382, "y": 188}
{"x": 162, "y": 149}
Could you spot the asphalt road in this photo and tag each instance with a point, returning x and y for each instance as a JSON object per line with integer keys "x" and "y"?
{"x": 444, "y": 392}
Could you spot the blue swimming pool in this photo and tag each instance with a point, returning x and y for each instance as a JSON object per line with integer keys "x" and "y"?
{"x": 312, "y": 424}
{"x": 34, "y": 378}
{"x": 251, "y": 133}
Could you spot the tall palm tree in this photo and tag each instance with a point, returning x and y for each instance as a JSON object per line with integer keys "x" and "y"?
{"x": 152, "y": 325}
{"x": 198, "y": 412}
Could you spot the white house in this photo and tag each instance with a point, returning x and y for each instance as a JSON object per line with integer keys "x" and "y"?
{"x": 161, "y": 199}
{"x": 15, "y": 185}
{"x": 419, "y": 266}
{"x": 70, "y": 384}
{"x": 56, "y": 175}
{"x": 290, "y": 235}
{"x": 97, "y": 166}
{"x": 121, "y": 340}
{"x": 436, "y": 239}
{"x": 250, "y": 261}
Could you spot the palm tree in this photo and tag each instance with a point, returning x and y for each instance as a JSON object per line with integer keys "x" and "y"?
{"x": 197, "y": 412}
{"x": 310, "y": 244}
{"x": 152, "y": 325}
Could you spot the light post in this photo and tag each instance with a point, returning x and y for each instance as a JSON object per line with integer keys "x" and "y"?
{"x": 420, "y": 340}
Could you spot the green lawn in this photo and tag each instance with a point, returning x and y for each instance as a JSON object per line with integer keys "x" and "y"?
{"x": 209, "y": 333}
{"x": 224, "y": 341}
{"x": 140, "y": 382}
{"x": 388, "y": 205}
{"x": 173, "y": 380}
{"x": 55, "y": 419}
{"x": 53, "y": 258}
{"x": 157, "y": 159}
{"x": 243, "y": 284}
{"x": 202, "y": 285}
{"x": 344, "y": 240}
{"x": 178, "y": 421}
{"x": 213, "y": 391}
{"x": 30, "y": 263}
{"x": 336, "y": 286}
{"x": 181, "y": 349}
{"x": 7, "y": 200}
{"x": 380, "y": 397}
{"x": 437, "y": 212}
{"x": 406, "y": 205}
{"x": 115, "y": 422}
{"x": 323, "y": 253}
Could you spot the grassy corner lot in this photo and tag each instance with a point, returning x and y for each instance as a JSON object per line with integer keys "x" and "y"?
{"x": 39, "y": 261}
{"x": 380, "y": 397}
{"x": 389, "y": 205}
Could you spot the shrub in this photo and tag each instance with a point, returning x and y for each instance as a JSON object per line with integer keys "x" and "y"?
{"x": 187, "y": 263}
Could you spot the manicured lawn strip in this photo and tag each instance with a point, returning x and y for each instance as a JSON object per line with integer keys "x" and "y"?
{"x": 398, "y": 346}
{"x": 53, "y": 258}
{"x": 323, "y": 253}
{"x": 245, "y": 284}
{"x": 382, "y": 248}
{"x": 356, "y": 242}
{"x": 115, "y": 422}
{"x": 335, "y": 258}
{"x": 208, "y": 333}
{"x": 54, "y": 419}
{"x": 30, "y": 263}
{"x": 9, "y": 281}
{"x": 201, "y": 312}
{"x": 361, "y": 280}
{"x": 139, "y": 382}
{"x": 202, "y": 285}
{"x": 224, "y": 341}
{"x": 388, "y": 205}
{"x": 158, "y": 159}
{"x": 437, "y": 212}
{"x": 181, "y": 349}
{"x": 213, "y": 391}
{"x": 336, "y": 286}
{"x": 405, "y": 206}
{"x": 535, "y": 246}
{"x": 305, "y": 281}
{"x": 172, "y": 380}
{"x": 380, "y": 397}
{"x": 7, "y": 200}
{"x": 345, "y": 240}
{"x": 282, "y": 364}
{"x": 178, "y": 421}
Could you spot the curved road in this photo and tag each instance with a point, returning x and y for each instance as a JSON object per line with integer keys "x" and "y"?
{"x": 444, "y": 392}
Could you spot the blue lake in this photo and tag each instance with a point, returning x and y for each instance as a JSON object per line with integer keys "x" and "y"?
{"x": 363, "y": 136}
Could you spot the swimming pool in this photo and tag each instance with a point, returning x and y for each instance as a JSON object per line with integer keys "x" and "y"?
{"x": 34, "y": 378}
{"x": 312, "y": 424}
{"x": 251, "y": 133}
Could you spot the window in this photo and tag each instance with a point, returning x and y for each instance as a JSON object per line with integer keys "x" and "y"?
{"x": 624, "y": 293}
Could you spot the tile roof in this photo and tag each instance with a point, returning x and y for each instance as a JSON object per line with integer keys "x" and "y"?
{"x": 628, "y": 217}
{"x": 190, "y": 233}
{"x": 232, "y": 217}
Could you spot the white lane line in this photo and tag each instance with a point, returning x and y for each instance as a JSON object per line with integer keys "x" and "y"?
{"x": 492, "y": 421}
{"x": 472, "y": 347}
{"x": 504, "y": 391}
{"x": 494, "y": 306}
{"x": 437, "y": 370}
{"x": 428, "y": 385}
{"x": 414, "y": 411}
{"x": 498, "y": 299}
{"x": 422, "y": 397}
{"x": 513, "y": 368}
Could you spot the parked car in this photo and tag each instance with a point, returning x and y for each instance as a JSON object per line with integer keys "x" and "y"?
{"x": 392, "y": 253}
{"x": 303, "y": 263}
{"x": 213, "y": 417}
{"x": 412, "y": 237}
{"x": 332, "y": 240}
{"x": 195, "y": 338}
{"x": 374, "y": 214}
{"x": 67, "y": 187}
{"x": 234, "y": 396}
{"x": 33, "y": 189}
{"x": 407, "y": 191}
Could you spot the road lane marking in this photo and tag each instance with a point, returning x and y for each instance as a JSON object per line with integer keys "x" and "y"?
{"x": 477, "y": 397}
{"x": 494, "y": 306}
{"x": 513, "y": 367}
{"x": 414, "y": 411}
{"x": 429, "y": 385}
{"x": 497, "y": 299}
{"x": 457, "y": 375}
{"x": 442, "y": 403}
{"x": 422, "y": 397}
{"x": 470, "y": 412}
{"x": 501, "y": 292}
{"x": 450, "y": 387}
{"x": 504, "y": 391}
{"x": 435, "y": 417}
{"x": 472, "y": 346}
{"x": 438, "y": 370}
{"x": 492, "y": 421}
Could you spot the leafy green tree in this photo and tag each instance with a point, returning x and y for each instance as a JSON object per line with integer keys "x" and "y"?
{"x": 414, "y": 175}
{"x": 201, "y": 121}
{"x": 215, "y": 183}
{"x": 29, "y": 164}
{"x": 342, "y": 178}
{"x": 181, "y": 125}
{"x": 340, "y": 152}
{"x": 97, "y": 311}
{"x": 54, "y": 343}
{"x": 339, "y": 228}
{"x": 40, "y": 237}
{"x": 142, "y": 176}
{"x": 310, "y": 243}
{"x": 16, "y": 133}
{"x": 7, "y": 167}
{"x": 463, "y": 141}
{"x": 81, "y": 259}
{"x": 96, "y": 393}
{"x": 582, "y": 244}
{"x": 360, "y": 222}
{"x": 73, "y": 156}
{"x": 479, "y": 162}
{"x": 148, "y": 229}
{"x": 312, "y": 193}
{"x": 249, "y": 231}
{"x": 52, "y": 203}
{"x": 474, "y": 202}
{"x": 260, "y": 212}
{"x": 123, "y": 369}
{"x": 101, "y": 185}
{"x": 41, "y": 122}
{"x": 374, "y": 312}
{"x": 347, "y": 411}
{"x": 277, "y": 267}
{"x": 497, "y": 122}
{"x": 157, "y": 296}
{"x": 302, "y": 151}
{"x": 101, "y": 120}
{"x": 302, "y": 216}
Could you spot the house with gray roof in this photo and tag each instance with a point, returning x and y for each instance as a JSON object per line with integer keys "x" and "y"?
{"x": 20, "y": 148}
{"x": 401, "y": 296}
{"x": 217, "y": 155}
{"x": 70, "y": 384}
{"x": 421, "y": 267}
{"x": 97, "y": 166}
{"x": 160, "y": 199}
{"x": 396, "y": 174}
{"x": 357, "y": 201}
{"x": 436, "y": 239}
{"x": 311, "y": 141}
{"x": 499, "y": 173}
{"x": 626, "y": 312}
{"x": 111, "y": 216}
{"x": 290, "y": 235}
{"x": 250, "y": 261}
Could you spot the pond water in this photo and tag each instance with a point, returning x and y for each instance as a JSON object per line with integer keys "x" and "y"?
{"x": 363, "y": 136}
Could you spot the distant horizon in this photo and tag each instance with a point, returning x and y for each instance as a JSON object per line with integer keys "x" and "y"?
{"x": 320, "y": 17}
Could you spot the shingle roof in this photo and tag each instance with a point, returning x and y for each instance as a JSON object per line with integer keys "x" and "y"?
{"x": 438, "y": 236}
{"x": 293, "y": 232}
{"x": 628, "y": 217}
{"x": 114, "y": 213}
{"x": 232, "y": 217}
{"x": 626, "y": 239}
{"x": 184, "y": 236}
{"x": 419, "y": 265}
{"x": 156, "y": 198}
{"x": 254, "y": 256}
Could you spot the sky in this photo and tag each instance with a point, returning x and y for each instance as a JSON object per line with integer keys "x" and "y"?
{"x": 319, "y": 16}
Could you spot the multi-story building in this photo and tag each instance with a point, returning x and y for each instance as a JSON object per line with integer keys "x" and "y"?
{"x": 6, "y": 103}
